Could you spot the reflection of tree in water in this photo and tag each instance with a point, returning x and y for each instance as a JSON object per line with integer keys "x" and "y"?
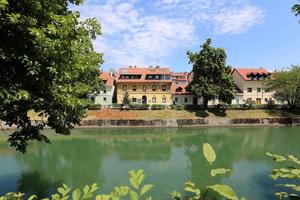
{"x": 78, "y": 161}
{"x": 232, "y": 146}
{"x": 75, "y": 162}
{"x": 143, "y": 150}
{"x": 33, "y": 183}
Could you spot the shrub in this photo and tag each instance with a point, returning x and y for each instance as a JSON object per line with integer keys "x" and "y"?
{"x": 116, "y": 105}
{"x": 95, "y": 107}
{"x": 139, "y": 106}
{"x": 177, "y": 107}
{"x": 158, "y": 107}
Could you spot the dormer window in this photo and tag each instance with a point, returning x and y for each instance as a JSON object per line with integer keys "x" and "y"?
{"x": 179, "y": 89}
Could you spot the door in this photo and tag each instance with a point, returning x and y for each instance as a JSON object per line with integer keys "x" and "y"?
{"x": 144, "y": 99}
{"x": 258, "y": 101}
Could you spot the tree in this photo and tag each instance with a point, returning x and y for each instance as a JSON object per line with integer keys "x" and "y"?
{"x": 126, "y": 100}
{"x": 286, "y": 85}
{"x": 48, "y": 65}
{"x": 296, "y": 9}
{"x": 211, "y": 76}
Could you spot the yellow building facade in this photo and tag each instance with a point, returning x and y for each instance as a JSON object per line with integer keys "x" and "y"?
{"x": 145, "y": 85}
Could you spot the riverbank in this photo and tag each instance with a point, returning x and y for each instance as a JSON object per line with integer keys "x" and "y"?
{"x": 107, "y": 118}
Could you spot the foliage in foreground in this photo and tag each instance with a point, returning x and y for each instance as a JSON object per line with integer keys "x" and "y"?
{"x": 48, "y": 64}
{"x": 140, "y": 191}
{"x": 289, "y": 174}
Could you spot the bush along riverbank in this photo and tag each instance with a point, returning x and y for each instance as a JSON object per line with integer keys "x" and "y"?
{"x": 138, "y": 190}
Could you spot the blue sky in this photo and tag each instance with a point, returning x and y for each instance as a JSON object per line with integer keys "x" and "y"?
{"x": 254, "y": 33}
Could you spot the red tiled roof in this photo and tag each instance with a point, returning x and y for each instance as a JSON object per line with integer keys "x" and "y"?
{"x": 175, "y": 86}
{"x": 180, "y": 74}
{"x": 105, "y": 76}
{"x": 246, "y": 72}
{"x": 143, "y": 71}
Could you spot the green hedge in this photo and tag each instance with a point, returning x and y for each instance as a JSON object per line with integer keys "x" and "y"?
{"x": 177, "y": 107}
{"x": 158, "y": 107}
{"x": 139, "y": 106}
{"x": 95, "y": 107}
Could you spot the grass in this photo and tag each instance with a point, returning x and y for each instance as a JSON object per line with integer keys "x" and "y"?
{"x": 185, "y": 114}
{"x": 180, "y": 114}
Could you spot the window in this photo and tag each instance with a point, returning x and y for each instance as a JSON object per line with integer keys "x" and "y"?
{"x": 163, "y": 87}
{"x": 153, "y": 87}
{"x": 266, "y": 100}
{"x": 179, "y": 89}
{"x": 134, "y": 100}
{"x": 144, "y": 88}
{"x": 164, "y": 100}
{"x": 185, "y": 99}
{"x": 258, "y": 89}
{"x": 153, "y": 99}
{"x": 104, "y": 99}
{"x": 124, "y": 87}
{"x": 104, "y": 92}
{"x": 176, "y": 99}
{"x": 134, "y": 87}
{"x": 249, "y": 100}
{"x": 139, "y": 100}
{"x": 237, "y": 101}
{"x": 249, "y": 89}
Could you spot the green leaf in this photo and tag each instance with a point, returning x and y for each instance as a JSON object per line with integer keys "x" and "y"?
{"x": 191, "y": 187}
{"x": 276, "y": 157}
{"x": 215, "y": 172}
{"x": 32, "y": 197}
{"x": 224, "y": 190}
{"x": 133, "y": 179}
{"x": 61, "y": 190}
{"x": 175, "y": 195}
{"x": 76, "y": 194}
{"x": 121, "y": 190}
{"x": 209, "y": 153}
{"x": 293, "y": 159}
{"x": 86, "y": 189}
{"x": 103, "y": 197}
{"x": 146, "y": 188}
{"x": 3, "y": 4}
{"x": 94, "y": 187}
{"x": 133, "y": 195}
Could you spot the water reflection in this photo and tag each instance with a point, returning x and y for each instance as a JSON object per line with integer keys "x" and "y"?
{"x": 169, "y": 157}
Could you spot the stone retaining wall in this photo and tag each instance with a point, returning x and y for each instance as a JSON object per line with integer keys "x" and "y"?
{"x": 201, "y": 122}
{"x": 192, "y": 122}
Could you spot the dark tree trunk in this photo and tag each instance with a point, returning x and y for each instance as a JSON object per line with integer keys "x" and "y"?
{"x": 205, "y": 103}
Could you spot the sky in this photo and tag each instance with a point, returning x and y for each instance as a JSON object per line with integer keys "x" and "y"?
{"x": 254, "y": 33}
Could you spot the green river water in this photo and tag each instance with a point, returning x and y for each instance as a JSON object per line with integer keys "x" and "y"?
{"x": 169, "y": 157}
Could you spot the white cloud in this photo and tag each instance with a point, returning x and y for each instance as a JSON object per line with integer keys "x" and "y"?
{"x": 139, "y": 33}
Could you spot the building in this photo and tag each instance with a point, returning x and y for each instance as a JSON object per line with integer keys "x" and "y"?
{"x": 106, "y": 97}
{"x": 150, "y": 85}
{"x": 250, "y": 84}
{"x": 180, "y": 94}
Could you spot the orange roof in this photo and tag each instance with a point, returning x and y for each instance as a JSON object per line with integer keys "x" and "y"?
{"x": 180, "y": 74}
{"x": 245, "y": 73}
{"x": 175, "y": 86}
{"x": 105, "y": 76}
{"x": 143, "y": 71}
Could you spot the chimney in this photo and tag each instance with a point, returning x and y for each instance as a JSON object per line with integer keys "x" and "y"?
{"x": 150, "y": 66}
{"x": 157, "y": 67}
{"x": 130, "y": 66}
